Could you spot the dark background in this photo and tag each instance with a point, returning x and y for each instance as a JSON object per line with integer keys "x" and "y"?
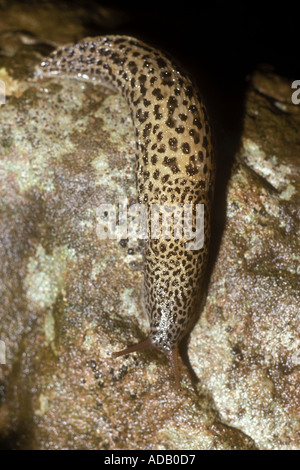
{"x": 221, "y": 44}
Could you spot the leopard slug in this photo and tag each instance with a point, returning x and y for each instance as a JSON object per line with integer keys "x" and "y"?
{"x": 175, "y": 165}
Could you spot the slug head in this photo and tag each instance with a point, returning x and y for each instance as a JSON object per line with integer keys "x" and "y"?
{"x": 172, "y": 354}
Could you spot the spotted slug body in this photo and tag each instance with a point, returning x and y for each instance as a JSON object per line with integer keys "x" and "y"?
{"x": 175, "y": 165}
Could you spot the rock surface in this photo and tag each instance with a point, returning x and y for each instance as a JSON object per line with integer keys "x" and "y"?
{"x": 68, "y": 299}
{"x": 245, "y": 348}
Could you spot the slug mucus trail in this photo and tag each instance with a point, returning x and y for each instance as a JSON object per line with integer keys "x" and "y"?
{"x": 175, "y": 165}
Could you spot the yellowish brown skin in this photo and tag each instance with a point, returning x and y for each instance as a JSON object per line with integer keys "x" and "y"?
{"x": 175, "y": 165}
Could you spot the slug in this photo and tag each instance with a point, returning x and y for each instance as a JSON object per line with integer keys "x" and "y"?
{"x": 175, "y": 165}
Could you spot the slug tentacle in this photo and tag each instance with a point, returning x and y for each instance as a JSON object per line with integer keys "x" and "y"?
{"x": 146, "y": 345}
{"x": 175, "y": 168}
{"x": 143, "y": 346}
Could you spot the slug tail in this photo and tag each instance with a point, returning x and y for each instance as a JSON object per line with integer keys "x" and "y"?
{"x": 143, "y": 346}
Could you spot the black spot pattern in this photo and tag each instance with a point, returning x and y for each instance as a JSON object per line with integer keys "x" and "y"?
{"x": 175, "y": 163}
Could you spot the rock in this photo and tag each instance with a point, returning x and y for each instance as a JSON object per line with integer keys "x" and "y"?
{"x": 245, "y": 348}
